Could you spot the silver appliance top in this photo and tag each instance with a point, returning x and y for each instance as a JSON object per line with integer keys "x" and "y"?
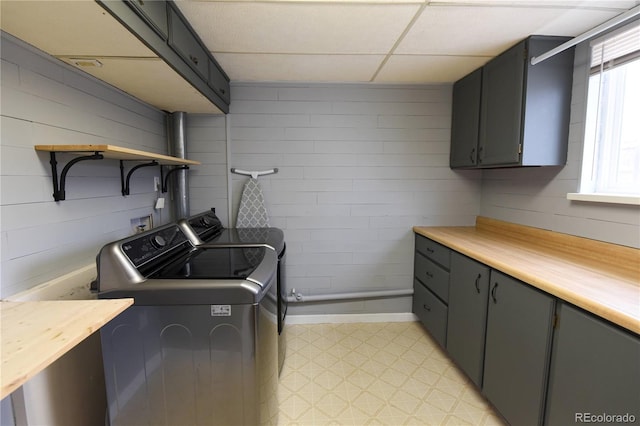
{"x": 162, "y": 266}
{"x": 206, "y": 229}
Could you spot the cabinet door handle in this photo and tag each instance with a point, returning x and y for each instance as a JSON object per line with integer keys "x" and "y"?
{"x": 472, "y": 156}
{"x": 478, "y": 283}
{"x": 429, "y": 274}
{"x": 493, "y": 292}
{"x": 426, "y": 308}
{"x": 480, "y": 154}
{"x": 194, "y": 59}
{"x": 430, "y": 250}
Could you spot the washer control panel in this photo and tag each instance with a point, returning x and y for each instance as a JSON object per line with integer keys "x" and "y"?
{"x": 153, "y": 244}
{"x": 205, "y": 225}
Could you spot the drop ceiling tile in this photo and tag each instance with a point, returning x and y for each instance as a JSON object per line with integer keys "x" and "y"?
{"x": 152, "y": 81}
{"x": 487, "y": 31}
{"x": 277, "y": 67}
{"x": 428, "y": 69}
{"x": 286, "y": 27}
{"x": 80, "y": 28}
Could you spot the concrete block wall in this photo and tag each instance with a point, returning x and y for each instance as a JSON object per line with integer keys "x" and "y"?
{"x": 359, "y": 165}
{"x": 45, "y": 101}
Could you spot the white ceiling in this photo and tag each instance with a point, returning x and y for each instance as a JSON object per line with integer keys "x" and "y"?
{"x": 382, "y": 41}
{"x": 379, "y": 41}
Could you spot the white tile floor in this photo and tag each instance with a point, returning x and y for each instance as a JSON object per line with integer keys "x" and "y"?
{"x": 374, "y": 374}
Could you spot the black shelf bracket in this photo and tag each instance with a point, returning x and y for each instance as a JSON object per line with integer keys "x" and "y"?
{"x": 124, "y": 182}
{"x": 165, "y": 178}
{"x": 59, "y": 191}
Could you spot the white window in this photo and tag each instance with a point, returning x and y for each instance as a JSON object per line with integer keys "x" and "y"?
{"x": 611, "y": 159}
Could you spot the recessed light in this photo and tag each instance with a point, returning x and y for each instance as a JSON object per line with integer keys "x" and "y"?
{"x": 85, "y": 62}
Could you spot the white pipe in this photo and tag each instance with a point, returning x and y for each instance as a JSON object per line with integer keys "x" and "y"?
{"x": 589, "y": 34}
{"x": 300, "y": 298}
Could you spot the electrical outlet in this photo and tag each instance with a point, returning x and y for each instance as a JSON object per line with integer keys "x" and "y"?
{"x": 156, "y": 183}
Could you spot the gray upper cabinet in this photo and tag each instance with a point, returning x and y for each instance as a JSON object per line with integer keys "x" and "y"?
{"x": 154, "y": 13}
{"x": 465, "y": 121}
{"x": 524, "y": 114}
{"x": 218, "y": 82}
{"x": 466, "y": 325}
{"x": 501, "y": 110}
{"x": 524, "y": 109}
{"x": 518, "y": 341}
{"x": 163, "y": 29}
{"x": 185, "y": 43}
{"x": 595, "y": 369}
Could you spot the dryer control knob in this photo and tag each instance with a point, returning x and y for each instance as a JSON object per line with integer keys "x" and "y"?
{"x": 158, "y": 241}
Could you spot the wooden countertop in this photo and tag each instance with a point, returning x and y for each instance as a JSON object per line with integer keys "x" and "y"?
{"x": 35, "y": 334}
{"x": 599, "y": 277}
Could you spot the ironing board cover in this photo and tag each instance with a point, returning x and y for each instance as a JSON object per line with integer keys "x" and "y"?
{"x": 252, "y": 212}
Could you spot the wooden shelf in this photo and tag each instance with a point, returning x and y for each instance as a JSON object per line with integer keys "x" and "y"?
{"x": 100, "y": 152}
{"x": 118, "y": 153}
{"x": 35, "y": 334}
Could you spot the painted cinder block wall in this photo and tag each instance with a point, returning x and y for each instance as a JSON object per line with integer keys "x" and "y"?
{"x": 47, "y": 102}
{"x": 359, "y": 165}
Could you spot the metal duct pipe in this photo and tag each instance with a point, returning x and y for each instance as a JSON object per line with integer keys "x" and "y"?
{"x": 177, "y": 140}
{"x": 300, "y": 298}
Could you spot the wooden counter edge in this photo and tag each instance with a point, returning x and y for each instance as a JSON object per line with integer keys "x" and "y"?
{"x": 12, "y": 380}
{"x": 610, "y": 313}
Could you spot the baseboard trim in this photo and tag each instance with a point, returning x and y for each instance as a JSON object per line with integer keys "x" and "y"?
{"x": 351, "y": 318}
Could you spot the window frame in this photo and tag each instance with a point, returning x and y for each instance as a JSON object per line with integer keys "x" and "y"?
{"x": 586, "y": 192}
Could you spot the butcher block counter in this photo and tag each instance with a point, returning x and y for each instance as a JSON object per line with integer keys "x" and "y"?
{"x": 35, "y": 334}
{"x": 599, "y": 277}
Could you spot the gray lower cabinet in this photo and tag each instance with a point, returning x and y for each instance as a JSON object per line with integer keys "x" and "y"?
{"x": 431, "y": 286}
{"x": 431, "y": 311}
{"x": 518, "y": 342}
{"x": 466, "y": 325}
{"x": 595, "y": 371}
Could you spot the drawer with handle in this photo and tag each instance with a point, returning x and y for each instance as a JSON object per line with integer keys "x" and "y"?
{"x": 431, "y": 312}
{"x": 433, "y": 276}
{"x": 434, "y": 251}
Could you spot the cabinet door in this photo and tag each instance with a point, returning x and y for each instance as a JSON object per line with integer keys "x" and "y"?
{"x": 595, "y": 368}
{"x": 519, "y": 322}
{"x": 501, "y": 112}
{"x": 465, "y": 120}
{"x": 466, "y": 325}
{"x": 218, "y": 82}
{"x": 185, "y": 44}
{"x": 154, "y": 12}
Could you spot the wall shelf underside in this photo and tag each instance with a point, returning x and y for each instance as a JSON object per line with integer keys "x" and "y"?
{"x": 99, "y": 152}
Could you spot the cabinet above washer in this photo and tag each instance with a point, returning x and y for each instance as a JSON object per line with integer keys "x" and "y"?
{"x": 124, "y": 43}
